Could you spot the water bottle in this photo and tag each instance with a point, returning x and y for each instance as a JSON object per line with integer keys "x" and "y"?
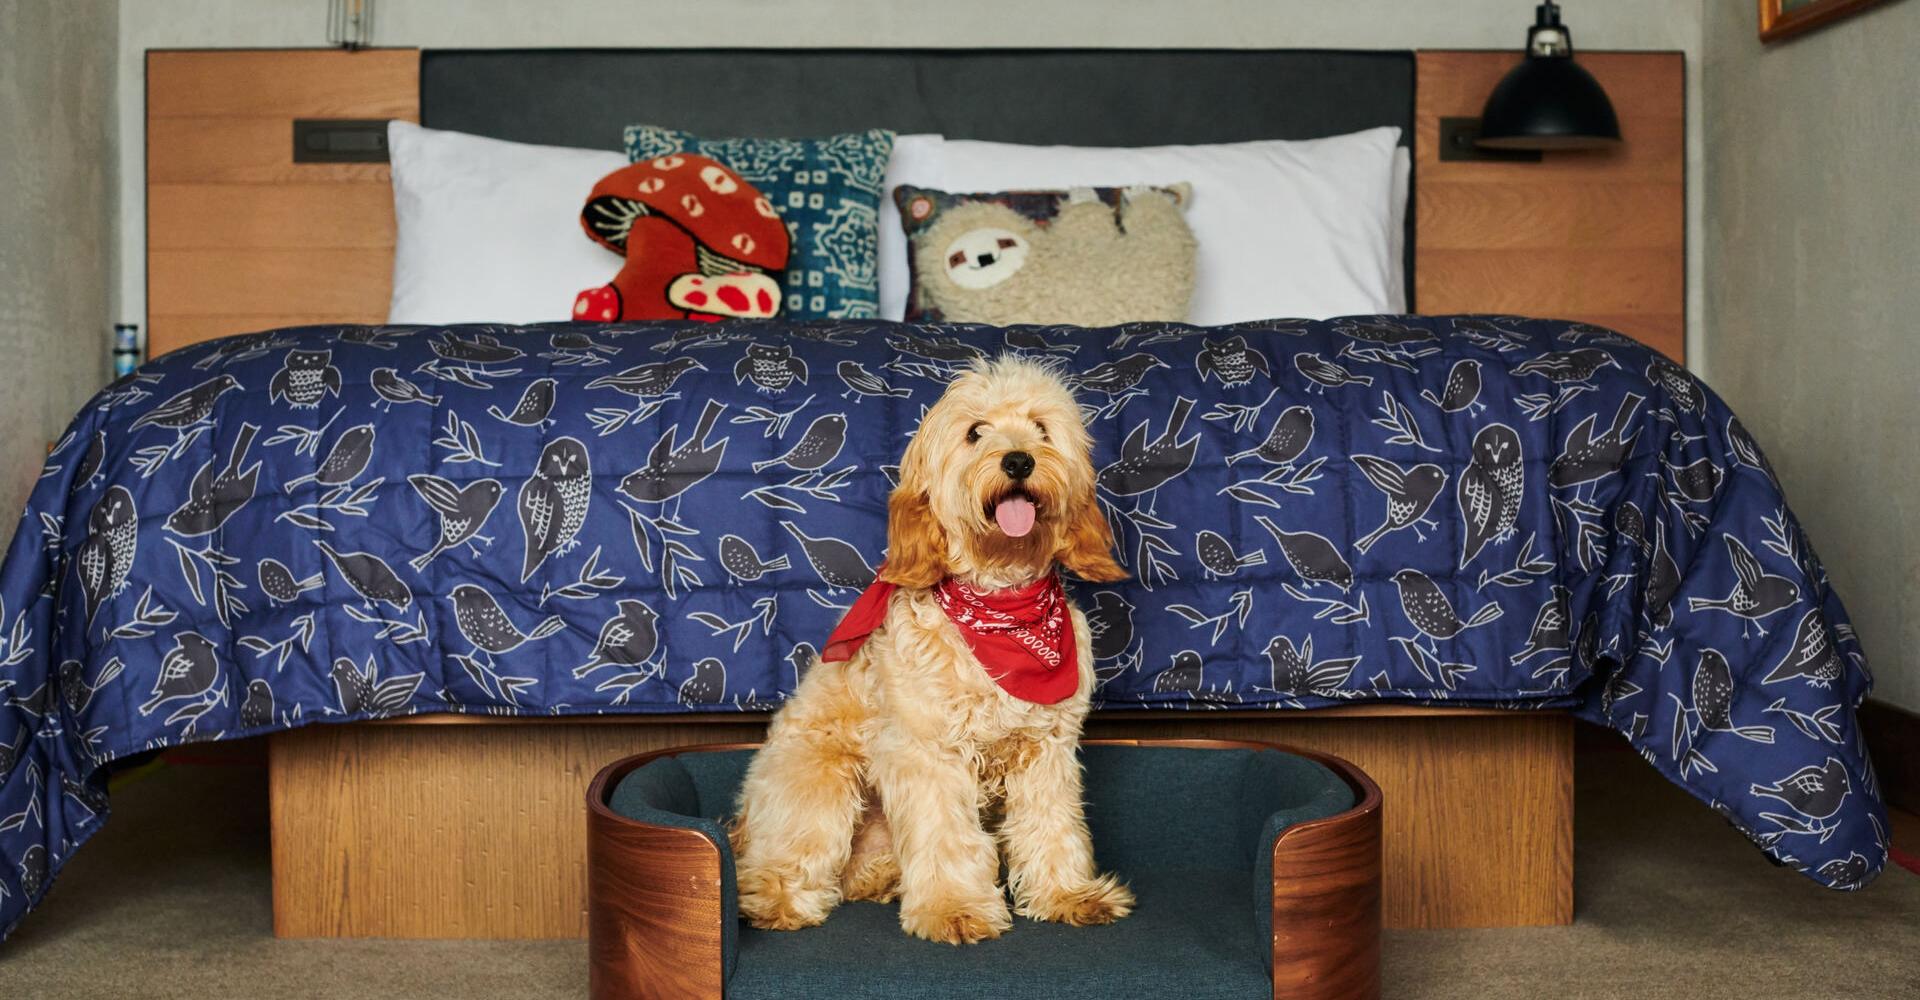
{"x": 126, "y": 348}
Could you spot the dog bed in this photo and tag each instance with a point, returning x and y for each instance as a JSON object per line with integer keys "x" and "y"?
{"x": 1256, "y": 868}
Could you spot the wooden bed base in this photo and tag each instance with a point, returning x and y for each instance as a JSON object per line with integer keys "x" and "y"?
{"x": 471, "y": 827}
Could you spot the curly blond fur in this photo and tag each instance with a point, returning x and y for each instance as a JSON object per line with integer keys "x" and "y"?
{"x": 881, "y": 776}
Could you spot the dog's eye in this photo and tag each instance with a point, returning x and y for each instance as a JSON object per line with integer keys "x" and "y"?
{"x": 973, "y": 433}
{"x": 1043, "y": 430}
{"x": 956, "y": 259}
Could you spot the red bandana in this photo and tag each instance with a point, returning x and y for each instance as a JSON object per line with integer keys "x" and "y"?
{"x": 1023, "y": 638}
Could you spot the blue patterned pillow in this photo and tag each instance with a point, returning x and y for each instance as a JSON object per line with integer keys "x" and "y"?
{"x": 827, "y": 190}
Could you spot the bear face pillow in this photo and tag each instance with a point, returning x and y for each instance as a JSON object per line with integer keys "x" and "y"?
{"x": 1085, "y": 257}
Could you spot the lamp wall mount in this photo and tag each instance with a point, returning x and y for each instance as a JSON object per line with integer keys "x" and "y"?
{"x": 350, "y": 24}
{"x": 1460, "y": 141}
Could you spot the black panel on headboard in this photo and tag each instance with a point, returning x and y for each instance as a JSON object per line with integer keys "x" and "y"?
{"x": 1084, "y": 97}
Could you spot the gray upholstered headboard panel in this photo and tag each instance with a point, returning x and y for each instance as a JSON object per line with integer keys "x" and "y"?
{"x": 1101, "y": 97}
{"x": 1087, "y": 97}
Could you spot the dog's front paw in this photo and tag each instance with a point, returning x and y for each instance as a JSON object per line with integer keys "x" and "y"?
{"x": 773, "y": 903}
{"x": 1101, "y": 901}
{"x": 957, "y": 923}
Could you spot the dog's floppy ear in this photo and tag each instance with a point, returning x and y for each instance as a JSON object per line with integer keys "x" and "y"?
{"x": 916, "y": 545}
{"x": 1087, "y": 549}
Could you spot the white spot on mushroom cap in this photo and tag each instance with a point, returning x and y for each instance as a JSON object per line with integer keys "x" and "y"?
{"x": 649, "y": 185}
{"x": 765, "y": 207}
{"x": 743, "y": 244}
{"x": 718, "y": 180}
{"x": 669, "y": 162}
{"x": 691, "y": 205}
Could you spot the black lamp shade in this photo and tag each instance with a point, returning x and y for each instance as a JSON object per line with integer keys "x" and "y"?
{"x": 1548, "y": 102}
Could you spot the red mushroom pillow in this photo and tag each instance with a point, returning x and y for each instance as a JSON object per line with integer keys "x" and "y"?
{"x": 700, "y": 244}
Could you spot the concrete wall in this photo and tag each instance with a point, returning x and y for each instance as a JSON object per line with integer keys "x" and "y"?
{"x": 57, "y": 131}
{"x": 1360, "y": 24}
{"x": 1813, "y": 295}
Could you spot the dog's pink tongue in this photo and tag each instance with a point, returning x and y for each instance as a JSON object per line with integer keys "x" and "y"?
{"x": 1015, "y": 516}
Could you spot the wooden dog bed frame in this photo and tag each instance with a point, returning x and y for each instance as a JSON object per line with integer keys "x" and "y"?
{"x": 660, "y": 885}
{"x": 457, "y": 826}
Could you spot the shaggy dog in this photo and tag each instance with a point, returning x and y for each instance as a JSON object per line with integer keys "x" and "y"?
{"x": 877, "y": 775}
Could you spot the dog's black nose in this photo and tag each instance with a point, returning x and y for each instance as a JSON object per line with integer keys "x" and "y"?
{"x": 985, "y": 259}
{"x": 1017, "y": 464}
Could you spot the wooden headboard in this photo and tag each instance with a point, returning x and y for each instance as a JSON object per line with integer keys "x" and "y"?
{"x": 241, "y": 238}
{"x": 1594, "y": 236}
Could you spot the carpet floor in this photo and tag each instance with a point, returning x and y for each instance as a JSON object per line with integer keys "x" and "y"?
{"x": 173, "y": 899}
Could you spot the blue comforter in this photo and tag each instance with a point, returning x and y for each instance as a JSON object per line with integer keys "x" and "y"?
{"x": 330, "y": 524}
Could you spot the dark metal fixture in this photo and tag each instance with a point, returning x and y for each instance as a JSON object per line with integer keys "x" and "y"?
{"x": 1549, "y": 101}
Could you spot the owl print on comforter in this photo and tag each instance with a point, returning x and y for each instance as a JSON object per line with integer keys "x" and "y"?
{"x": 331, "y": 524}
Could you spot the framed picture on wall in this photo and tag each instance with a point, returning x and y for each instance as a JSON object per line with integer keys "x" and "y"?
{"x": 1781, "y": 19}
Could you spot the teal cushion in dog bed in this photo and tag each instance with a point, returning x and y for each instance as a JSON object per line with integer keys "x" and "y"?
{"x": 1192, "y": 831}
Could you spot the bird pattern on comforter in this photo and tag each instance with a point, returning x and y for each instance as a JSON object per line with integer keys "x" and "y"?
{"x": 329, "y": 524}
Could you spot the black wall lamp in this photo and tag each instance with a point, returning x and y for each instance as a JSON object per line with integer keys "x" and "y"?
{"x": 1548, "y": 102}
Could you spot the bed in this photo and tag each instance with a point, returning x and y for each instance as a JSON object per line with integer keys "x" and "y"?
{"x": 467, "y": 814}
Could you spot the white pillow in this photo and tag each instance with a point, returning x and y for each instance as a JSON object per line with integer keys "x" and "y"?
{"x": 1285, "y": 228}
{"x": 1397, "y": 245}
{"x": 916, "y": 160}
{"x": 488, "y": 230}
